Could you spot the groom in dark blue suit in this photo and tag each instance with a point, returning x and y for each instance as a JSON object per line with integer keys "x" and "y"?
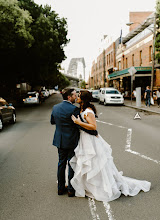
{"x": 66, "y": 137}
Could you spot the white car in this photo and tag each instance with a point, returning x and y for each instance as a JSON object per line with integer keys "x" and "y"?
{"x": 110, "y": 96}
{"x": 45, "y": 93}
{"x": 31, "y": 98}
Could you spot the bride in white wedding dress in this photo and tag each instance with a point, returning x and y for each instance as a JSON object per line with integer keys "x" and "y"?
{"x": 95, "y": 174}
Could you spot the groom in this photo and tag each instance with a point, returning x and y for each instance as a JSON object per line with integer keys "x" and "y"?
{"x": 66, "y": 137}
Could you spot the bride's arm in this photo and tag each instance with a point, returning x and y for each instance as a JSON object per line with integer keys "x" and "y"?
{"x": 91, "y": 125}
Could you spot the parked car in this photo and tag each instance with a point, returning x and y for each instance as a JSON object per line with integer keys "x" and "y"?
{"x": 31, "y": 98}
{"x": 45, "y": 93}
{"x": 7, "y": 113}
{"x": 95, "y": 95}
{"x": 110, "y": 96}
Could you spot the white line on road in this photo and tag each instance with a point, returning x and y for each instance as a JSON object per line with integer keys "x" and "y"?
{"x": 128, "y": 148}
{"x": 93, "y": 209}
{"x": 128, "y": 141}
{"x": 108, "y": 211}
{"x": 119, "y": 126}
{"x": 143, "y": 156}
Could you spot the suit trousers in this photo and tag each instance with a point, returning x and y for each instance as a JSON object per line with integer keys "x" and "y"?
{"x": 64, "y": 156}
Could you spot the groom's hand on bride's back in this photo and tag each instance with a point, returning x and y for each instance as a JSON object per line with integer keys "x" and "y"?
{"x": 76, "y": 113}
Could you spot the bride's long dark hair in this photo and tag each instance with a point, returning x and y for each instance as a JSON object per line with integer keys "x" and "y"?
{"x": 86, "y": 98}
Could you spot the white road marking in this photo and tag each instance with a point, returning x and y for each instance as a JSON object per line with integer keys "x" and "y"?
{"x": 128, "y": 141}
{"x": 108, "y": 211}
{"x": 143, "y": 156}
{"x": 128, "y": 148}
{"x": 93, "y": 209}
{"x": 119, "y": 126}
{"x": 100, "y": 114}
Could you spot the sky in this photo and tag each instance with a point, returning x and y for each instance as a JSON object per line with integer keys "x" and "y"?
{"x": 89, "y": 20}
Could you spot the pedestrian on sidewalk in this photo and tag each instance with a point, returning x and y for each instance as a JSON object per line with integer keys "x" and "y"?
{"x": 147, "y": 96}
{"x": 158, "y": 97}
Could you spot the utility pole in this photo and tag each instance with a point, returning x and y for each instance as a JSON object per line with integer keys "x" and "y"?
{"x": 104, "y": 68}
{"x": 153, "y": 54}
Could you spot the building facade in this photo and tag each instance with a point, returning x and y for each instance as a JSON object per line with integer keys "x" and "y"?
{"x": 134, "y": 50}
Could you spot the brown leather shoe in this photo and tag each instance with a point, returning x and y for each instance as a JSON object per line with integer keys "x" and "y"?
{"x": 71, "y": 194}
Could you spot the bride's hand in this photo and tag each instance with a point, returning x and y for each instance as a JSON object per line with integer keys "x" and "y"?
{"x": 76, "y": 120}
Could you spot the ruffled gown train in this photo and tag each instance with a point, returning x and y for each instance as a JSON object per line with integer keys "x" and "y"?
{"x": 95, "y": 174}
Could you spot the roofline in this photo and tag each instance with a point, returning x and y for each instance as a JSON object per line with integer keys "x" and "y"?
{"x": 139, "y": 29}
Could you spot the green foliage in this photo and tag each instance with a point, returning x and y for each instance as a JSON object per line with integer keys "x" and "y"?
{"x": 83, "y": 85}
{"x": 14, "y": 25}
{"x": 31, "y": 43}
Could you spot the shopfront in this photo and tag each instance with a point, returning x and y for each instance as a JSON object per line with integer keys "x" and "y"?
{"x": 121, "y": 80}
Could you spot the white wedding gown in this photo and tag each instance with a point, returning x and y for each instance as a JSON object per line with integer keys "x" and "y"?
{"x": 96, "y": 175}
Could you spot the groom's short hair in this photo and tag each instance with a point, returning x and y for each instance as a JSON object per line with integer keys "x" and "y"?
{"x": 67, "y": 92}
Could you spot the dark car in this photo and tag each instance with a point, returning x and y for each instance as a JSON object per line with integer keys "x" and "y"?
{"x": 7, "y": 113}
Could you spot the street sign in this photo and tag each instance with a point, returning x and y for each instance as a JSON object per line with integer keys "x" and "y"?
{"x": 132, "y": 70}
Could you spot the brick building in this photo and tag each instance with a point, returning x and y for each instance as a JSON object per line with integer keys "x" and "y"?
{"x": 103, "y": 66}
{"x": 135, "y": 50}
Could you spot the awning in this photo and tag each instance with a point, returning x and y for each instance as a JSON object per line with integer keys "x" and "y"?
{"x": 124, "y": 73}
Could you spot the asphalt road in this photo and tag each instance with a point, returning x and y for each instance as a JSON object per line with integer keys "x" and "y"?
{"x": 28, "y": 166}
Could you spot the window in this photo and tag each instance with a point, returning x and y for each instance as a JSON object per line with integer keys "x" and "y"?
{"x": 111, "y": 56}
{"x": 150, "y": 53}
{"x": 112, "y": 92}
{"x": 126, "y": 62}
{"x": 119, "y": 65}
{"x": 132, "y": 59}
{"x": 140, "y": 57}
{"x": 107, "y": 59}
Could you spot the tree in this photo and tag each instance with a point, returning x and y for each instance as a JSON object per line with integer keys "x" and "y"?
{"x": 32, "y": 43}
{"x": 46, "y": 53}
{"x": 15, "y": 36}
{"x": 83, "y": 84}
{"x": 14, "y": 25}
{"x": 157, "y": 42}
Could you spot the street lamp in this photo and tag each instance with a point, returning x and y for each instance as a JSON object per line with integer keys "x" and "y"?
{"x": 154, "y": 38}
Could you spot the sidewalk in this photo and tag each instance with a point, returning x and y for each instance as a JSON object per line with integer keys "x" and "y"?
{"x": 153, "y": 108}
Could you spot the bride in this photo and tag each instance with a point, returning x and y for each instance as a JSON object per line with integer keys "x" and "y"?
{"x": 95, "y": 174}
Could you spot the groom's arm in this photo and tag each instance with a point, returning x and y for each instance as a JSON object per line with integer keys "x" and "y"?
{"x": 52, "y": 119}
{"x": 92, "y": 132}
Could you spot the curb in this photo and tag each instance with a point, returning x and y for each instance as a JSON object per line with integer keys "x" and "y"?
{"x": 142, "y": 109}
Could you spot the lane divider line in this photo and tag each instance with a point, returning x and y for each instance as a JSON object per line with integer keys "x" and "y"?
{"x": 108, "y": 211}
{"x": 103, "y": 122}
{"x": 93, "y": 209}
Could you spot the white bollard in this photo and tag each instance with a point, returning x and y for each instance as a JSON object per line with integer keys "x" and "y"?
{"x": 138, "y": 96}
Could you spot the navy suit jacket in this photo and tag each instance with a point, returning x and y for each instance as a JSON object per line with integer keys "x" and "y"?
{"x": 67, "y": 132}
